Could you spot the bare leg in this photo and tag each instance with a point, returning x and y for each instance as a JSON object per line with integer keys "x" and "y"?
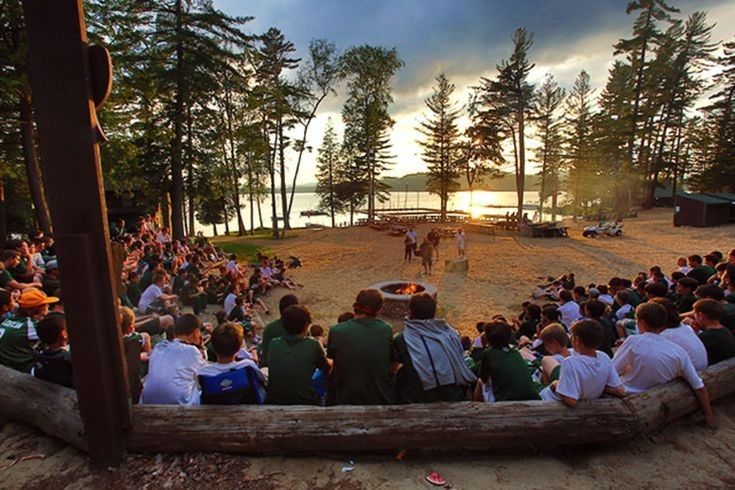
{"x": 548, "y": 364}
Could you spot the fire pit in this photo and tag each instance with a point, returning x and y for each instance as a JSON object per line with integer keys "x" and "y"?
{"x": 397, "y": 293}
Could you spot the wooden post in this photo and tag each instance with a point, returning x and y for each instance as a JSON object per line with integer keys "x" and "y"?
{"x": 61, "y": 81}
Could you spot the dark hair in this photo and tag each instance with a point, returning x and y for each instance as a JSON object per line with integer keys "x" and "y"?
{"x": 186, "y": 324}
{"x": 672, "y": 313}
{"x": 615, "y": 283}
{"x": 221, "y": 317}
{"x": 595, "y": 308}
{"x": 656, "y": 290}
{"x": 157, "y": 277}
{"x": 480, "y": 326}
{"x": 497, "y": 334}
{"x": 286, "y": 301}
{"x": 295, "y": 319}
{"x": 689, "y": 283}
{"x": 678, "y": 275}
{"x": 534, "y": 311}
{"x": 316, "y": 330}
{"x": 602, "y": 288}
{"x": 580, "y": 290}
{"x": 709, "y": 308}
{"x": 717, "y": 255}
{"x": 347, "y": 315}
{"x": 9, "y": 254}
{"x": 227, "y": 339}
{"x": 695, "y": 258}
{"x": 589, "y": 332}
{"x": 466, "y": 342}
{"x": 653, "y": 314}
{"x": 49, "y": 329}
{"x": 422, "y": 306}
{"x": 4, "y": 297}
{"x": 711, "y": 258}
{"x": 368, "y": 302}
{"x": 565, "y": 295}
{"x": 710, "y": 292}
{"x": 552, "y": 313}
{"x": 626, "y": 283}
{"x": 623, "y": 297}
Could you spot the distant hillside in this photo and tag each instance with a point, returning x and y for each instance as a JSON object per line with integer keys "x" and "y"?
{"x": 417, "y": 182}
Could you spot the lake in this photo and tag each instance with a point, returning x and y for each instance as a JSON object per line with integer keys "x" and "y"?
{"x": 476, "y": 203}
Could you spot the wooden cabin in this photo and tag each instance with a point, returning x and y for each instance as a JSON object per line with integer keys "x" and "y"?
{"x": 701, "y": 210}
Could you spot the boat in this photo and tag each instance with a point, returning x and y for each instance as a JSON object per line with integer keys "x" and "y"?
{"x": 313, "y": 212}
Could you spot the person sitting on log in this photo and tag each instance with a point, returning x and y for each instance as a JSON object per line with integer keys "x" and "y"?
{"x": 431, "y": 357}
{"x": 718, "y": 340}
{"x": 649, "y": 359}
{"x": 556, "y": 343}
{"x": 53, "y": 362}
{"x": 18, "y": 332}
{"x": 588, "y": 373}
{"x": 362, "y": 350}
{"x": 292, "y": 361}
{"x": 503, "y": 369}
{"x": 173, "y": 366}
{"x": 682, "y": 335}
{"x": 10, "y": 261}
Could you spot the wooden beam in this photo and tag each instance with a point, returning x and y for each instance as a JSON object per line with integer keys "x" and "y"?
{"x": 59, "y": 70}
{"x": 50, "y": 407}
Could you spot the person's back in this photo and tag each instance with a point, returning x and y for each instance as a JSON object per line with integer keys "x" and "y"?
{"x": 430, "y": 352}
{"x": 362, "y": 350}
{"x": 684, "y": 337}
{"x": 504, "y": 367}
{"x": 568, "y": 308}
{"x": 292, "y": 360}
{"x": 718, "y": 341}
{"x": 275, "y": 328}
{"x": 53, "y": 363}
{"x": 173, "y": 367}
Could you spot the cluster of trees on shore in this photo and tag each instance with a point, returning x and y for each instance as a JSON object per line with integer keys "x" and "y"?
{"x": 203, "y": 116}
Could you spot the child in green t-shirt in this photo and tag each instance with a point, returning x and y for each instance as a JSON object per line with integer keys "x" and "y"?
{"x": 718, "y": 340}
{"x": 504, "y": 367}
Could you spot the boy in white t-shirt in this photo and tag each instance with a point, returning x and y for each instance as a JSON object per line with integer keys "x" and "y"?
{"x": 682, "y": 334}
{"x": 173, "y": 366}
{"x": 649, "y": 359}
{"x": 586, "y": 374}
{"x": 622, "y": 298}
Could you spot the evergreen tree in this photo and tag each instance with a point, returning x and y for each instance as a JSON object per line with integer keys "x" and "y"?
{"x": 547, "y": 103}
{"x": 329, "y": 164}
{"x": 441, "y": 146}
{"x": 578, "y": 148}
{"x": 368, "y": 70}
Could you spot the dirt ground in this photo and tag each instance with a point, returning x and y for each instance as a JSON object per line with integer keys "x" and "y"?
{"x": 503, "y": 272}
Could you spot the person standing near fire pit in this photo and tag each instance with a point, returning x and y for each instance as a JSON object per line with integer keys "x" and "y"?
{"x": 460, "y": 242}
{"x": 426, "y": 251}
{"x": 362, "y": 350}
{"x": 410, "y": 244}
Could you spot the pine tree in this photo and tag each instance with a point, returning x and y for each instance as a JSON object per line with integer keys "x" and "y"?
{"x": 368, "y": 71}
{"x": 547, "y": 103}
{"x": 328, "y": 167}
{"x": 579, "y": 145}
{"x": 441, "y": 146}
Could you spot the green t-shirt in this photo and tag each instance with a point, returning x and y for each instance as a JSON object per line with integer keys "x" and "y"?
{"x": 19, "y": 270}
{"x": 408, "y": 384}
{"x": 362, "y": 349}
{"x": 728, "y": 315}
{"x": 292, "y": 360}
{"x": 5, "y": 278}
{"x": 701, "y": 273}
{"x": 720, "y": 344}
{"x": 272, "y": 331}
{"x": 528, "y": 329}
{"x": 17, "y": 337}
{"x": 509, "y": 374}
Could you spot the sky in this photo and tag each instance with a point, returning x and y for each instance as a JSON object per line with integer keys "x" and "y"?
{"x": 465, "y": 39}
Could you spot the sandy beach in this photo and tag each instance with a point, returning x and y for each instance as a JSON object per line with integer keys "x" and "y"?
{"x": 503, "y": 272}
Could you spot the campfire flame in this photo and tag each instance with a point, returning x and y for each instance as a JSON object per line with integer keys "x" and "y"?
{"x": 408, "y": 290}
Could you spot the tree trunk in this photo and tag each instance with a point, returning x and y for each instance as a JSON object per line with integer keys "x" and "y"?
{"x": 177, "y": 179}
{"x": 521, "y": 161}
{"x": 638, "y": 88}
{"x": 233, "y": 162}
{"x": 33, "y": 171}
{"x": 3, "y": 217}
{"x": 260, "y": 213}
{"x": 214, "y": 229}
{"x": 227, "y": 219}
{"x": 282, "y": 168}
{"x": 165, "y": 211}
{"x": 190, "y": 168}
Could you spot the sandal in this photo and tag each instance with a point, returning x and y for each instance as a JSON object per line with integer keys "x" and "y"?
{"x": 436, "y": 479}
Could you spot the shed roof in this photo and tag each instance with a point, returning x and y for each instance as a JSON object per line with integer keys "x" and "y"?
{"x": 704, "y": 198}
{"x": 727, "y": 196}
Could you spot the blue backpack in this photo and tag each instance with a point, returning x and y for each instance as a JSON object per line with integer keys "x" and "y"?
{"x": 234, "y": 387}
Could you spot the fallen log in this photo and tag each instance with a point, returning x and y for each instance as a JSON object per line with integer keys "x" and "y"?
{"x": 293, "y": 429}
{"x": 50, "y": 407}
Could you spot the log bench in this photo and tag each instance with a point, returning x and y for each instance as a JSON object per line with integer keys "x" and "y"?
{"x": 303, "y": 429}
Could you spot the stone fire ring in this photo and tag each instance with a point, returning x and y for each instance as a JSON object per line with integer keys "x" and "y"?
{"x": 396, "y": 305}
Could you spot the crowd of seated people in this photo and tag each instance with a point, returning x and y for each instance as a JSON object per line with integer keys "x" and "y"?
{"x": 613, "y": 339}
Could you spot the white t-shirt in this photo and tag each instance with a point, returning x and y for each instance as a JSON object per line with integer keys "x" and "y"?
{"x": 411, "y": 235}
{"x": 623, "y": 311}
{"x": 151, "y": 294}
{"x": 607, "y": 299}
{"x": 460, "y": 240}
{"x": 163, "y": 237}
{"x": 649, "y": 359}
{"x": 229, "y": 303}
{"x": 684, "y": 337}
{"x": 569, "y": 313}
{"x": 231, "y": 266}
{"x": 584, "y": 378}
{"x": 172, "y": 374}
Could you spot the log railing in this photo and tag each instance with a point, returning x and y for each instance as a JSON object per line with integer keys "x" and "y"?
{"x": 281, "y": 429}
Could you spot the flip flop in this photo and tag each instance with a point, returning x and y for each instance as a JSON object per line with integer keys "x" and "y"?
{"x": 436, "y": 479}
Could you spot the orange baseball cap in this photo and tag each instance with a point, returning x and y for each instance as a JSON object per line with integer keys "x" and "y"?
{"x": 33, "y": 298}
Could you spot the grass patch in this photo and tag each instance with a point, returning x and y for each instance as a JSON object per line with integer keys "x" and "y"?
{"x": 243, "y": 250}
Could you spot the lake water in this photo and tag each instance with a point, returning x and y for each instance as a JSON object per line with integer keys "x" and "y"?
{"x": 477, "y": 203}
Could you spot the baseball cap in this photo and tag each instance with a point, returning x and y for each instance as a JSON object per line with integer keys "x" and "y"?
{"x": 33, "y": 298}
